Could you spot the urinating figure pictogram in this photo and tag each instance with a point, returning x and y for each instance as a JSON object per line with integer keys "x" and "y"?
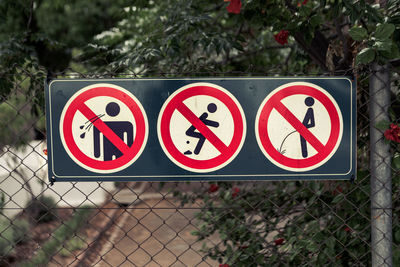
{"x": 308, "y": 122}
{"x": 193, "y": 133}
{"x": 123, "y": 129}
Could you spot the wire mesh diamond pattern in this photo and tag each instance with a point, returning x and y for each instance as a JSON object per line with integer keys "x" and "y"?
{"x": 295, "y": 223}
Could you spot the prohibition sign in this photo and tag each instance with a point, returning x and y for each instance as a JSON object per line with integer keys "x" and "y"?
{"x": 81, "y": 105}
{"x": 324, "y": 149}
{"x": 226, "y": 149}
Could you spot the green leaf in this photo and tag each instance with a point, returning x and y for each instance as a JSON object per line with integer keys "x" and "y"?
{"x": 195, "y": 233}
{"x": 315, "y": 20}
{"x": 260, "y": 259}
{"x": 382, "y": 125}
{"x": 330, "y": 242}
{"x": 365, "y": 56}
{"x": 393, "y": 52}
{"x": 358, "y": 33}
{"x": 397, "y": 235}
{"x": 338, "y": 199}
{"x": 223, "y": 235}
{"x": 319, "y": 237}
{"x": 396, "y": 164}
{"x": 384, "y": 31}
{"x": 396, "y": 255}
{"x": 294, "y": 255}
{"x": 289, "y": 231}
{"x": 383, "y": 45}
{"x": 311, "y": 246}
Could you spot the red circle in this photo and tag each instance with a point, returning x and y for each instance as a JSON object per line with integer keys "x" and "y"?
{"x": 133, "y": 149}
{"x": 166, "y": 121}
{"x": 328, "y": 147}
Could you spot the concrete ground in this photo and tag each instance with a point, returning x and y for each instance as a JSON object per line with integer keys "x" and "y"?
{"x": 159, "y": 236}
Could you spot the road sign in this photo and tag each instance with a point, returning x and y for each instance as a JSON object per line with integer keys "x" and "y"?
{"x": 94, "y": 123}
{"x": 201, "y": 127}
{"x": 299, "y": 126}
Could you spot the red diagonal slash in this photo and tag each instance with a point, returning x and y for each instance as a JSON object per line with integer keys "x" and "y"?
{"x": 104, "y": 129}
{"x": 298, "y": 126}
{"x": 201, "y": 127}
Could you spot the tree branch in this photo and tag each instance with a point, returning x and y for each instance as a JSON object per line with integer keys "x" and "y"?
{"x": 319, "y": 44}
{"x": 30, "y": 16}
{"x": 345, "y": 57}
{"x": 317, "y": 49}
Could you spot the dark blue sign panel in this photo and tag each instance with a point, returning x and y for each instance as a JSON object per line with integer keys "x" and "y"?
{"x": 201, "y": 129}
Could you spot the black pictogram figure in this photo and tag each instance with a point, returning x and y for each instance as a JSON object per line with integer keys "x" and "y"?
{"x": 120, "y": 128}
{"x": 193, "y": 133}
{"x": 188, "y": 152}
{"x": 89, "y": 124}
{"x": 308, "y": 122}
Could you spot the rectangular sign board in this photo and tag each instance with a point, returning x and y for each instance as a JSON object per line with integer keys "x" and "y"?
{"x": 298, "y": 128}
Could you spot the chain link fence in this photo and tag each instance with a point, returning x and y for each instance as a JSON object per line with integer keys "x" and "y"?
{"x": 298, "y": 223}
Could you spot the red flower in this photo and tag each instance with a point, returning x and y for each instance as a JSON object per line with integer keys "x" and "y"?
{"x": 213, "y": 188}
{"x": 45, "y": 151}
{"x": 393, "y": 134}
{"x": 235, "y": 192}
{"x": 279, "y": 241}
{"x": 302, "y": 4}
{"x": 282, "y": 37}
{"x": 234, "y": 6}
{"x": 224, "y": 265}
{"x": 347, "y": 229}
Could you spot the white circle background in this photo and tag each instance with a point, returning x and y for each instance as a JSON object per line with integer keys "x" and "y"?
{"x": 90, "y": 103}
{"x": 226, "y": 139}
{"x": 322, "y": 135}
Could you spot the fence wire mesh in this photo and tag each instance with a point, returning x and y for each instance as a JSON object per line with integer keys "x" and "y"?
{"x": 295, "y": 223}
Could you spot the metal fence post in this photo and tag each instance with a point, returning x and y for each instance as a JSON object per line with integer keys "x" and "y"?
{"x": 381, "y": 184}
